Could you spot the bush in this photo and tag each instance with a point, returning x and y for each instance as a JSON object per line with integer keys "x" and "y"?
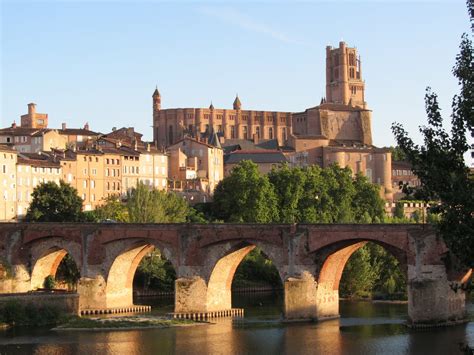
{"x": 15, "y": 313}
{"x": 49, "y": 282}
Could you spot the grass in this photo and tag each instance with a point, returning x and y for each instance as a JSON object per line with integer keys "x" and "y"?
{"x": 123, "y": 323}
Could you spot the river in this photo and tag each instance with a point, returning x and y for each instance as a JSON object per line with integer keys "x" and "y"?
{"x": 364, "y": 328}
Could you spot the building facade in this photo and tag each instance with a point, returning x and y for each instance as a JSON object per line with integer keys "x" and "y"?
{"x": 338, "y": 130}
{"x": 8, "y": 160}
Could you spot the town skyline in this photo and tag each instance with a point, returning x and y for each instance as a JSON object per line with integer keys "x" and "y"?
{"x": 120, "y": 95}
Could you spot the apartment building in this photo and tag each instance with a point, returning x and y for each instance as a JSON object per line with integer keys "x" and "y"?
{"x": 8, "y": 160}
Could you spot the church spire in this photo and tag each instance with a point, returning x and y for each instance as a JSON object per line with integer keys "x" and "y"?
{"x": 237, "y": 103}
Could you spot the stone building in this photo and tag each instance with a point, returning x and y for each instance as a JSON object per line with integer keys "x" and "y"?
{"x": 8, "y": 160}
{"x": 338, "y": 130}
{"x": 195, "y": 165}
{"x": 171, "y": 125}
{"x": 34, "y": 136}
{"x": 31, "y": 170}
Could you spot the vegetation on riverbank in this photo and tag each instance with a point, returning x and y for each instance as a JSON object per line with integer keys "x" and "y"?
{"x": 14, "y": 313}
{"x": 125, "y": 322}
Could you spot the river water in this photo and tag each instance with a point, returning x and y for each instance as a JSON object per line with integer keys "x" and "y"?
{"x": 364, "y": 328}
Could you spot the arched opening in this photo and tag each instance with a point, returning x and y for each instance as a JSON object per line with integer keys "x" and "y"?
{"x": 257, "y": 286}
{"x": 142, "y": 266}
{"x": 55, "y": 269}
{"x": 360, "y": 270}
{"x": 245, "y": 268}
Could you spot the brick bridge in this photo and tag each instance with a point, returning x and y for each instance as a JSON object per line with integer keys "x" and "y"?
{"x": 310, "y": 260}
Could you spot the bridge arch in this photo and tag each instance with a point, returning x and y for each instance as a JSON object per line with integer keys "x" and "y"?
{"x": 46, "y": 255}
{"x": 224, "y": 260}
{"x": 122, "y": 261}
{"x": 333, "y": 259}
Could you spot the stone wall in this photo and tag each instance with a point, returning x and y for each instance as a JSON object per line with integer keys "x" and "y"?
{"x": 66, "y": 302}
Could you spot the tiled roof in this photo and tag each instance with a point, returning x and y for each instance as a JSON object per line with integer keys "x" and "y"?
{"x": 7, "y": 148}
{"x": 231, "y": 145}
{"x": 78, "y": 132}
{"x": 257, "y": 156}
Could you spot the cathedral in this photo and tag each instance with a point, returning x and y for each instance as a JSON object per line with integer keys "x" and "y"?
{"x": 338, "y": 130}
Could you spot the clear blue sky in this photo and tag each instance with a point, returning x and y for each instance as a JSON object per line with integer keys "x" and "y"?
{"x": 100, "y": 61}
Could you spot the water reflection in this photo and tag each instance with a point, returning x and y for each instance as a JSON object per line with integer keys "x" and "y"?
{"x": 364, "y": 328}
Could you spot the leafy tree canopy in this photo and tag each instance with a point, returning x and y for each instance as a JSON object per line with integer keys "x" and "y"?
{"x": 439, "y": 162}
{"x": 246, "y": 196}
{"x": 55, "y": 203}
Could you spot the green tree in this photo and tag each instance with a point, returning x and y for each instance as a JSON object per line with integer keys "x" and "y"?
{"x": 55, "y": 203}
{"x": 358, "y": 277}
{"x": 439, "y": 162}
{"x": 245, "y": 196}
{"x": 367, "y": 203}
{"x": 397, "y": 154}
{"x": 68, "y": 272}
{"x": 112, "y": 209}
{"x": 145, "y": 205}
{"x": 289, "y": 187}
{"x": 156, "y": 272}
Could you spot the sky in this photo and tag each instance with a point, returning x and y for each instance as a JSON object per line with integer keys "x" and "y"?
{"x": 99, "y": 61}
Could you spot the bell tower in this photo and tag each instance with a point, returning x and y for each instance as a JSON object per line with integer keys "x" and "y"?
{"x": 156, "y": 100}
{"x": 156, "y": 113}
{"x": 344, "y": 83}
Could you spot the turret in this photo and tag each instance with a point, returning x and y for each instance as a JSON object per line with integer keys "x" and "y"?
{"x": 156, "y": 100}
{"x": 344, "y": 83}
{"x": 237, "y": 103}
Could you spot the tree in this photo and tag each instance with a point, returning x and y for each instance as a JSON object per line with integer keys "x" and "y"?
{"x": 112, "y": 209}
{"x": 55, "y": 203}
{"x": 397, "y": 154}
{"x": 358, "y": 277}
{"x": 439, "y": 162}
{"x": 155, "y": 271}
{"x": 245, "y": 196}
{"x": 367, "y": 201}
{"x": 145, "y": 205}
{"x": 289, "y": 188}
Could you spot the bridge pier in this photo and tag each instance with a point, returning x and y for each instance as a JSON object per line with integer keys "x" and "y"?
{"x": 300, "y": 298}
{"x": 432, "y": 298}
{"x": 327, "y": 301}
{"x": 190, "y": 295}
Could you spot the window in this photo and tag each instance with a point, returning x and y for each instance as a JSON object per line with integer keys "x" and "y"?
{"x": 257, "y": 132}
{"x": 244, "y": 129}
{"x": 352, "y": 59}
{"x": 84, "y": 184}
{"x": 232, "y": 132}
{"x": 170, "y": 134}
{"x": 270, "y": 133}
{"x": 352, "y": 73}
{"x": 283, "y": 133}
{"x": 92, "y": 184}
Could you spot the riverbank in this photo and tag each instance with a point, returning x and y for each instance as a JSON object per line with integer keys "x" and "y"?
{"x": 124, "y": 323}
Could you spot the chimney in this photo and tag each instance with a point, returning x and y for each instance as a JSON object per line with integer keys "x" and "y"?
{"x": 86, "y": 126}
{"x": 148, "y": 147}
{"x": 114, "y": 129}
{"x": 31, "y": 108}
{"x": 63, "y": 126}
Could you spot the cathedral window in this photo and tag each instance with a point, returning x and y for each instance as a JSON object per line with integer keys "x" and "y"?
{"x": 352, "y": 59}
{"x": 352, "y": 73}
